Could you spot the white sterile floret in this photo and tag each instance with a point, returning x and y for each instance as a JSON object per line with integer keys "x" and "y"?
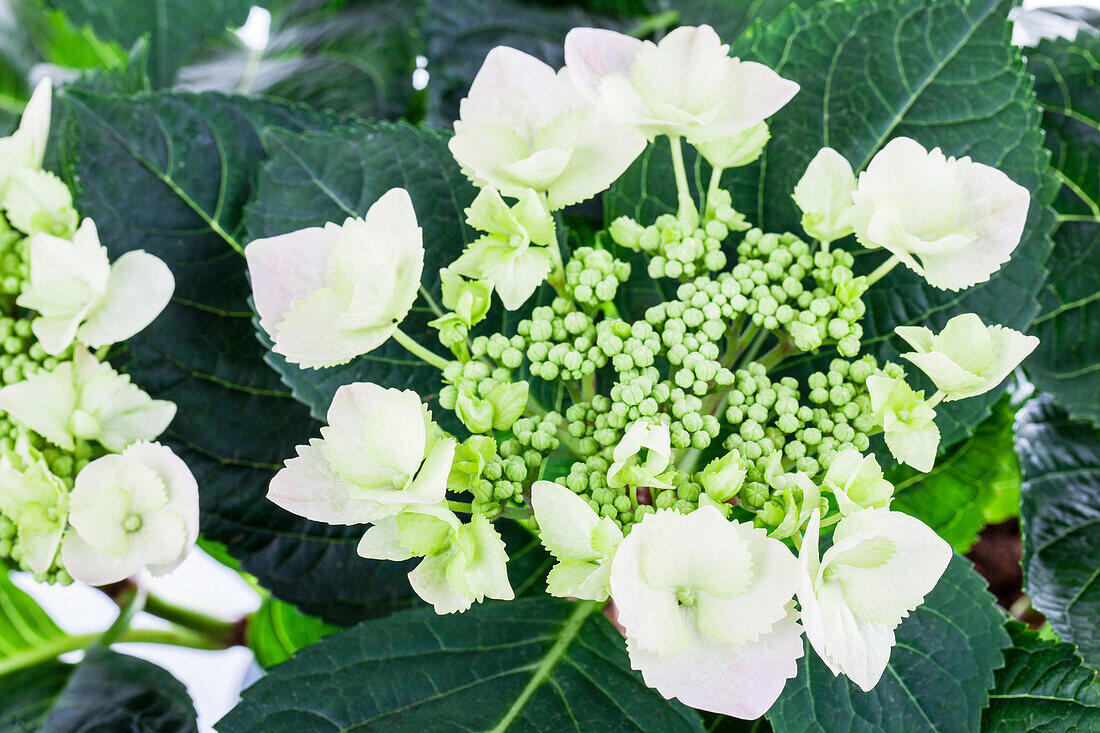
{"x": 85, "y": 399}
{"x": 857, "y": 483}
{"x": 471, "y": 566}
{"x": 328, "y": 294}
{"x": 380, "y": 453}
{"x": 628, "y": 466}
{"x": 685, "y": 85}
{"x": 907, "y": 421}
{"x": 129, "y": 511}
{"x": 37, "y": 201}
{"x": 967, "y": 358}
{"x": 37, "y": 503}
{"x": 463, "y": 563}
{"x": 582, "y": 542}
{"x": 706, "y": 607}
{"x": 26, "y": 147}
{"x": 881, "y": 566}
{"x": 525, "y": 126}
{"x": 514, "y": 254}
{"x": 824, "y": 194}
{"x": 952, "y": 221}
{"x": 81, "y": 296}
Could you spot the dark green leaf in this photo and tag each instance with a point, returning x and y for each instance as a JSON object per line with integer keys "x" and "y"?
{"x": 538, "y": 664}
{"x": 277, "y": 630}
{"x": 1043, "y": 688}
{"x": 937, "y": 679}
{"x": 1060, "y": 512}
{"x": 1067, "y": 361}
{"x": 175, "y": 27}
{"x": 105, "y": 692}
{"x": 870, "y": 71}
{"x": 459, "y": 33}
{"x": 170, "y": 173}
{"x": 317, "y": 177}
{"x": 354, "y": 57}
{"x": 730, "y": 18}
{"x": 978, "y": 476}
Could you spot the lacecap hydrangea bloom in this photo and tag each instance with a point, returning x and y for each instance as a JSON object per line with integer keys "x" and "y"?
{"x": 715, "y": 504}
{"x": 84, "y": 493}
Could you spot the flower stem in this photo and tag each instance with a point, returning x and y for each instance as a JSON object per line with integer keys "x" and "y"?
{"x": 133, "y": 600}
{"x": 714, "y": 187}
{"x": 687, "y": 212}
{"x": 882, "y": 269}
{"x": 173, "y": 636}
{"x": 936, "y": 398}
{"x": 654, "y": 23}
{"x": 209, "y": 626}
{"x": 419, "y": 351}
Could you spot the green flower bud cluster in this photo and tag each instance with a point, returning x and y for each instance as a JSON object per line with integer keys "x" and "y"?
{"x": 678, "y": 250}
{"x": 14, "y": 266}
{"x": 775, "y": 431}
{"x": 593, "y": 276}
{"x": 560, "y": 342}
{"x": 484, "y": 398}
{"x": 783, "y": 286}
{"x": 841, "y": 417}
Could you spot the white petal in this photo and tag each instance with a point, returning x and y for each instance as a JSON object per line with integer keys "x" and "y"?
{"x": 887, "y": 592}
{"x": 287, "y": 267}
{"x": 651, "y": 616}
{"x": 380, "y": 542}
{"x": 162, "y": 543}
{"x": 306, "y": 335}
{"x": 743, "y": 681}
{"x": 566, "y": 522}
{"x": 139, "y": 288}
{"x": 89, "y": 565}
{"x": 34, "y": 126}
{"x": 593, "y": 53}
{"x": 597, "y": 161}
{"x": 430, "y": 484}
{"x": 183, "y": 490}
{"x": 374, "y": 433}
{"x": 309, "y": 487}
{"x": 848, "y": 645}
{"x": 915, "y": 447}
{"x": 44, "y": 402}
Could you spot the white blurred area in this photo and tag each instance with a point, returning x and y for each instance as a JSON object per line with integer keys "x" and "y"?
{"x": 213, "y": 678}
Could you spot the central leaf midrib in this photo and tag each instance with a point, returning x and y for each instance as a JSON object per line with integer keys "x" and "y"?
{"x": 569, "y": 631}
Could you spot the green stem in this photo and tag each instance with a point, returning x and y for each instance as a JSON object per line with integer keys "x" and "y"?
{"x": 463, "y": 507}
{"x": 65, "y": 644}
{"x": 428, "y": 357}
{"x": 780, "y": 352}
{"x": 654, "y": 23}
{"x": 518, "y": 513}
{"x": 687, "y": 212}
{"x": 189, "y": 618}
{"x": 715, "y": 185}
{"x": 754, "y": 347}
{"x": 936, "y": 398}
{"x": 136, "y": 598}
{"x": 882, "y": 269}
